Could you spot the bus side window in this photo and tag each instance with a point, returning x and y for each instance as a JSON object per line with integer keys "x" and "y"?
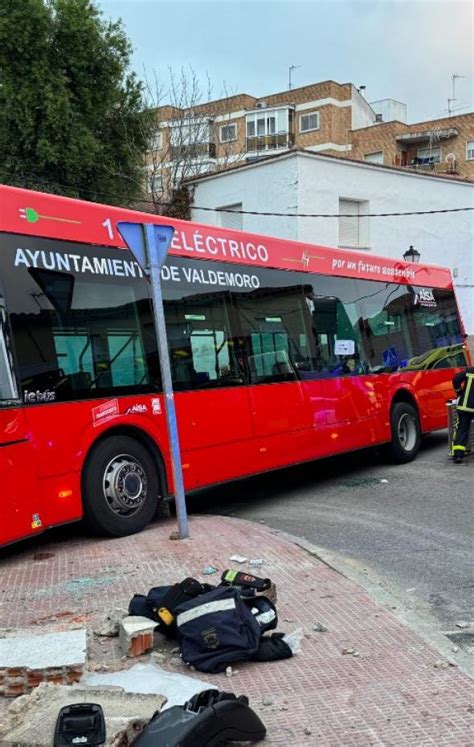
{"x": 8, "y": 388}
{"x": 276, "y": 333}
{"x": 79, "y": 335}
{"x": 334, "y": 323}
{"x": 201, "y": 345}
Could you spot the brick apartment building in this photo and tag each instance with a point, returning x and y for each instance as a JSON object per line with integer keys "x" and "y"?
{"x": 327, "y": 117}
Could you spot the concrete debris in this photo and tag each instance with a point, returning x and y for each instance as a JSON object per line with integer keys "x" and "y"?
{"x": 136, "y": 635}
{"x": 148, "y": 678}
{"x": 174, "y": 535}
{"x": 157, "y": 658}
{"x": 30, "y": 720}
{"x": 350, "y": 652}
{"x": 109, "y": 626}
{"x": 238, "y": 559}
{"x": 441, "y": 664}
{"x": 267, "y": 701}
{"x": 176, "y": 661}
{"x": 307, "y": 731}
{"x": 28, "y": 660}
{"x": 126, "y": 737}
{"x": 319, "y": 628}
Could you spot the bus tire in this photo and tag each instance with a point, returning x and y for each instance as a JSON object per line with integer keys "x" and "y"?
{"x": 121, "y": 487}
{"x": 406, "y": 433}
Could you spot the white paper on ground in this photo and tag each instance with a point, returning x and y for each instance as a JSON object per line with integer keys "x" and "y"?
{"x": 293, "y": 640}
{"x": 149, "y": 678}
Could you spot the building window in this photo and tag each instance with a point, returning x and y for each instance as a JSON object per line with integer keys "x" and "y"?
{"x": 269, "y": 129}
{"x": 157, "y": 141}
{"x": 230, "y": 218}
{"x": 156, "y": 182}
{"x": 353, "y": 223}
{"x": 431, "y": 154}
{"x": 470, "y": 150}
{"x": 376, "y": 157}
{"x": 309, "y": 122}
{"x": 228, "y": 133}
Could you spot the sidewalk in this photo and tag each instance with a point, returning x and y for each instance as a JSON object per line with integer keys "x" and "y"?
{"x": 389, "y": 693}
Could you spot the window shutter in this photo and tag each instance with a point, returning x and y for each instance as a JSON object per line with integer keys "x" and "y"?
{"x": 348, "y": 223}
{"x": 231, "y": 219}
{"x": 374, "y": 157}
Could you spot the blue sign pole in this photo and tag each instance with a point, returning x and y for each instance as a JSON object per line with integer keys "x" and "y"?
{"x": 149, "y": 244}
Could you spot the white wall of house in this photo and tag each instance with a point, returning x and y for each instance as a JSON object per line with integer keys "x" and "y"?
{"x": 390, "y": 109}
{"x": 362, "y": 114}
{"x": 270, "y": 183}
{"x": 310, "y": 183}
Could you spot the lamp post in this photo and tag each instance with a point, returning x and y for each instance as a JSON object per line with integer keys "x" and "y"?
{"x": 412, "y": 255}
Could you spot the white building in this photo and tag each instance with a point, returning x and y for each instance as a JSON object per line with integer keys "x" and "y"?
{"x": 300, "y": 182}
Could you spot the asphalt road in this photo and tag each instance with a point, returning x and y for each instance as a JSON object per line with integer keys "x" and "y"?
{"x": 411, "y": 537}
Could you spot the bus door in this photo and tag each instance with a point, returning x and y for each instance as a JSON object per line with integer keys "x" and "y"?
{"x": 19, "y": 495}
{"x": 211, "y": 398}
{"x": 350, "y": 401}
{"x": 277, "y": 341}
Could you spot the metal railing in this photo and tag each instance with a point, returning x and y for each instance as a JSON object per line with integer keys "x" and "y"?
{"x": 269, "y": 142}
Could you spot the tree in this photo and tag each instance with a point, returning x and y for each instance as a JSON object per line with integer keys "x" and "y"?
{"x": 72, "y": 117}
{"x": 186, "y": 141}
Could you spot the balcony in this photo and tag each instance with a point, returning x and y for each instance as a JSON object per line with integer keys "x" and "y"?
{"x": 430, "y": 164}
{"x": 193, "y": 150}
{"x": 260, "y": 143}
{"x": 434, "y": 135}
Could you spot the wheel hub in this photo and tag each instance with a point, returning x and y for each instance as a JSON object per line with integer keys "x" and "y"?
{"x": 125, "y": 485}
{"x": 407, "y": 432}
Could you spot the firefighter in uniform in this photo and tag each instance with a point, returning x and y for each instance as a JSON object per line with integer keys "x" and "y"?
{"x": 463, "y": 384}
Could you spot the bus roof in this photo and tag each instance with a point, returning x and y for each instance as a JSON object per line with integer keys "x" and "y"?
{"x": 51, "y": 216}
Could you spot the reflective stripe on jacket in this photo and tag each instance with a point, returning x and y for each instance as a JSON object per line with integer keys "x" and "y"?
{"x": 464, "y": 381}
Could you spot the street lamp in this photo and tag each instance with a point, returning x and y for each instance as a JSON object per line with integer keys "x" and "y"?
{"x": 412, "y": 255}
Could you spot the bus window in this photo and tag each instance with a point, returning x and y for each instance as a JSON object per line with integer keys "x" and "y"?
{"x": 384, "y": 325}
{"x": 8, "y": 389}
{"x": 201, "y": 346}
{"x": 331, "y": 304}
{"x": 401, "y": 325}
{"x": 276, "y": 333}
{"x": 435, "y": 319}
{"x": 80, "y": 336}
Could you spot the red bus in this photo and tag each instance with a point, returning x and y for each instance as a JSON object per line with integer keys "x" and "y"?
{"x": 281, "y": 353}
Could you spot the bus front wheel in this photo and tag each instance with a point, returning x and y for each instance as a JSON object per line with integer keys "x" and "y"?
{"x": 406, "y": 433}
{"x": 121, "y": 487}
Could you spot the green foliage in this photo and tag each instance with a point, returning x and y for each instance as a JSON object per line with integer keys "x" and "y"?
{"x": 72, "y": 117}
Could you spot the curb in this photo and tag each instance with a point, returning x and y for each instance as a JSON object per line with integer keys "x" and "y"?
{"x": 373, "y": 585}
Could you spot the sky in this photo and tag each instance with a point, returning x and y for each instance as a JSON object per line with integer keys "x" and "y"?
{"x": 401, "y": 49}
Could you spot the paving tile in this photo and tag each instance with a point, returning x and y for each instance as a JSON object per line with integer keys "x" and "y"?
{"x": 390, "y": 695}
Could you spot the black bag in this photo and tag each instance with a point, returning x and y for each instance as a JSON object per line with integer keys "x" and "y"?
{"x": 217, "y": 629}
{"x": 161, "y": 603}
{"x": 264, "y": 611}
{"x": 208, "y": 719}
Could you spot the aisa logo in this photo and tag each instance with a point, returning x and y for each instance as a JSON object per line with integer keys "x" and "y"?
{"x": 425, "y": 297}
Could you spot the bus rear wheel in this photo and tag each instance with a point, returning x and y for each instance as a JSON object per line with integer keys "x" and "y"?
{"x": 121, "y": 487}
{"x": 406, "y": 433}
